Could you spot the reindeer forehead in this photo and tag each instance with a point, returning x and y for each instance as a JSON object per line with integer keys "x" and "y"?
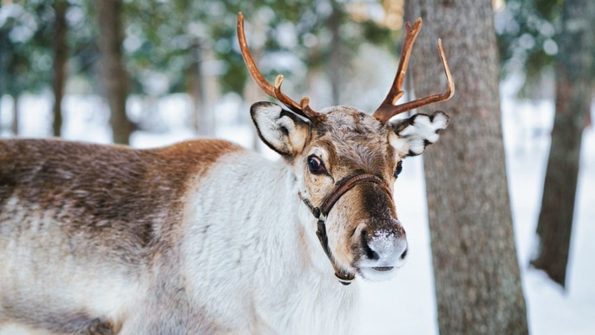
{"x": 348, "y": 123}
{"x": 352, "y": 137}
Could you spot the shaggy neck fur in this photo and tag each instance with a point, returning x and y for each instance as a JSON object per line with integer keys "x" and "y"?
{"x": 261, "y": 249}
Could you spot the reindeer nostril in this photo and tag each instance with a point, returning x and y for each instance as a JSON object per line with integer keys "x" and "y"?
{"x": 404, "y": 254}
{"x": 371, "y": 254}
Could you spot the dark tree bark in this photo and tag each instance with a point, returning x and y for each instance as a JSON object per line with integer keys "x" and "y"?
{"x": 60, "y": 59}
{"x": 3, "y": 68}
{"x": 14, "y": 127}
{"x": 573, "y": 100}
{"x": 478, "y": 284}
{"x": 115, "y": 78}
{"x": 202, "y": 121}
{"x": 335, "y": 67}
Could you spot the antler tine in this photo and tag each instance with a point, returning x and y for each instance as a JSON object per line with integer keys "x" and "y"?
{"x": 305, "y": 103}
{"x": 273, "y": 91}
{"x": 389, "y": 107}
{"x": 303, "y": 108}
{"x": 284, "y": 99}
{"x": 385, "y": 110}
{"x": 450, "y": 89}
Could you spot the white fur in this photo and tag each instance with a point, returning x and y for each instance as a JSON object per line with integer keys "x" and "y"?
{"x": 411, "y": 140}
{"x": 39, "y": 274}
{"x": 265, "y": 270}
{"x": 279, "y": 131}
{"x": 250, "y": 262}
{"x": 244, "y": 259}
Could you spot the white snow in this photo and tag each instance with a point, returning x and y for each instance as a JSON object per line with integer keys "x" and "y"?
{"x": 405, "y": 305}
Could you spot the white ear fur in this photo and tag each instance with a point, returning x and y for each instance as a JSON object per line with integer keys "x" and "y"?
{"x": 417, "y": 132}
{"x": 281, "y": 130}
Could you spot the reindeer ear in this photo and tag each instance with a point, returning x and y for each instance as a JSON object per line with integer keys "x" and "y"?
{"x": 417, "y": 132}
{"x": 282, "y": 130}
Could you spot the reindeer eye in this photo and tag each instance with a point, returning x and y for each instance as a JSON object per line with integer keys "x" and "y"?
{"x": 399, "y": 168}
{"x": 315, "y": 165}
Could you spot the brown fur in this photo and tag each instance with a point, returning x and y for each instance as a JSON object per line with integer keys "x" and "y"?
{"x": 112, "y": 191}
{"x": 113, "y": 205}
{"x": 122, "y": 210}
{"x": 356, "y": 143}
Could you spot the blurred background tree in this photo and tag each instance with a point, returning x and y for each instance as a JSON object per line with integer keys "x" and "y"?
{"x": 153, "y": 48}
{"x": 551, "y": 41}
{"x": 25, "y": 52}
{"x": 110, "y": 15}
{"x": 332, "y": 50}
{"x": 60, "y": 55}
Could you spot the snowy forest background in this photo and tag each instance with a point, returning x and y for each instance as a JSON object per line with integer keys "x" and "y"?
{"x": 150, "y": 73}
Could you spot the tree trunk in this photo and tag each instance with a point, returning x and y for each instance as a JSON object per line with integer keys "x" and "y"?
{"x": 115, "y": 78}
{"x": 60, "y": 59}
{"x": 202, "y": 116}
{"x": 335, "y": 66}
{"x": 478, "y": 284}
{"x": 573, "y": 100}
{"x": 14, "y": 127}
{"x": 3, "y": 69}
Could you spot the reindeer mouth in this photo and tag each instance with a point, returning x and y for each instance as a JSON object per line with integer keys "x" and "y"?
{"x": 377, "y": 273}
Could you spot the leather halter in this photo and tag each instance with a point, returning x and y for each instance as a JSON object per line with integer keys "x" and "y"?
{"x": 321, "y": 212}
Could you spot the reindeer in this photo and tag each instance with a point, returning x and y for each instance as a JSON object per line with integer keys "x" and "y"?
{"x": 205, "y": 237}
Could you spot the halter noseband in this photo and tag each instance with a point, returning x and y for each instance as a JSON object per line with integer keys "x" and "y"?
{"x": 321, "y": 212}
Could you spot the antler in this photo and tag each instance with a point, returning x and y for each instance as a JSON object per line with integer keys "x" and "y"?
{"x": 302, "y": 108}
{"x": 389, "y": 107}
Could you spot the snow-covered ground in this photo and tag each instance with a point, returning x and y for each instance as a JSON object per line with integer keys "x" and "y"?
{"x": 405, "y": 305}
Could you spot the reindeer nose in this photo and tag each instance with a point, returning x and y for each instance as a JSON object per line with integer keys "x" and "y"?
{"x": 384, "y": 248}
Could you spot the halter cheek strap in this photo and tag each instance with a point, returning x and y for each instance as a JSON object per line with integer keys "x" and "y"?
{"x": 321, "y": 213}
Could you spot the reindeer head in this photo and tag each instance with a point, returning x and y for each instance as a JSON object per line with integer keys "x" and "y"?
{"x": 346, "y": 162}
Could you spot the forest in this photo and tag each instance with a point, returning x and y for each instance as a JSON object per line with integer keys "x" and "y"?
{"x": 499, "y": 212}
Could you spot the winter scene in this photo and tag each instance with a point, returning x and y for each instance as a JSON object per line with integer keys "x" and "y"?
{"x": 297, "y": 167}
